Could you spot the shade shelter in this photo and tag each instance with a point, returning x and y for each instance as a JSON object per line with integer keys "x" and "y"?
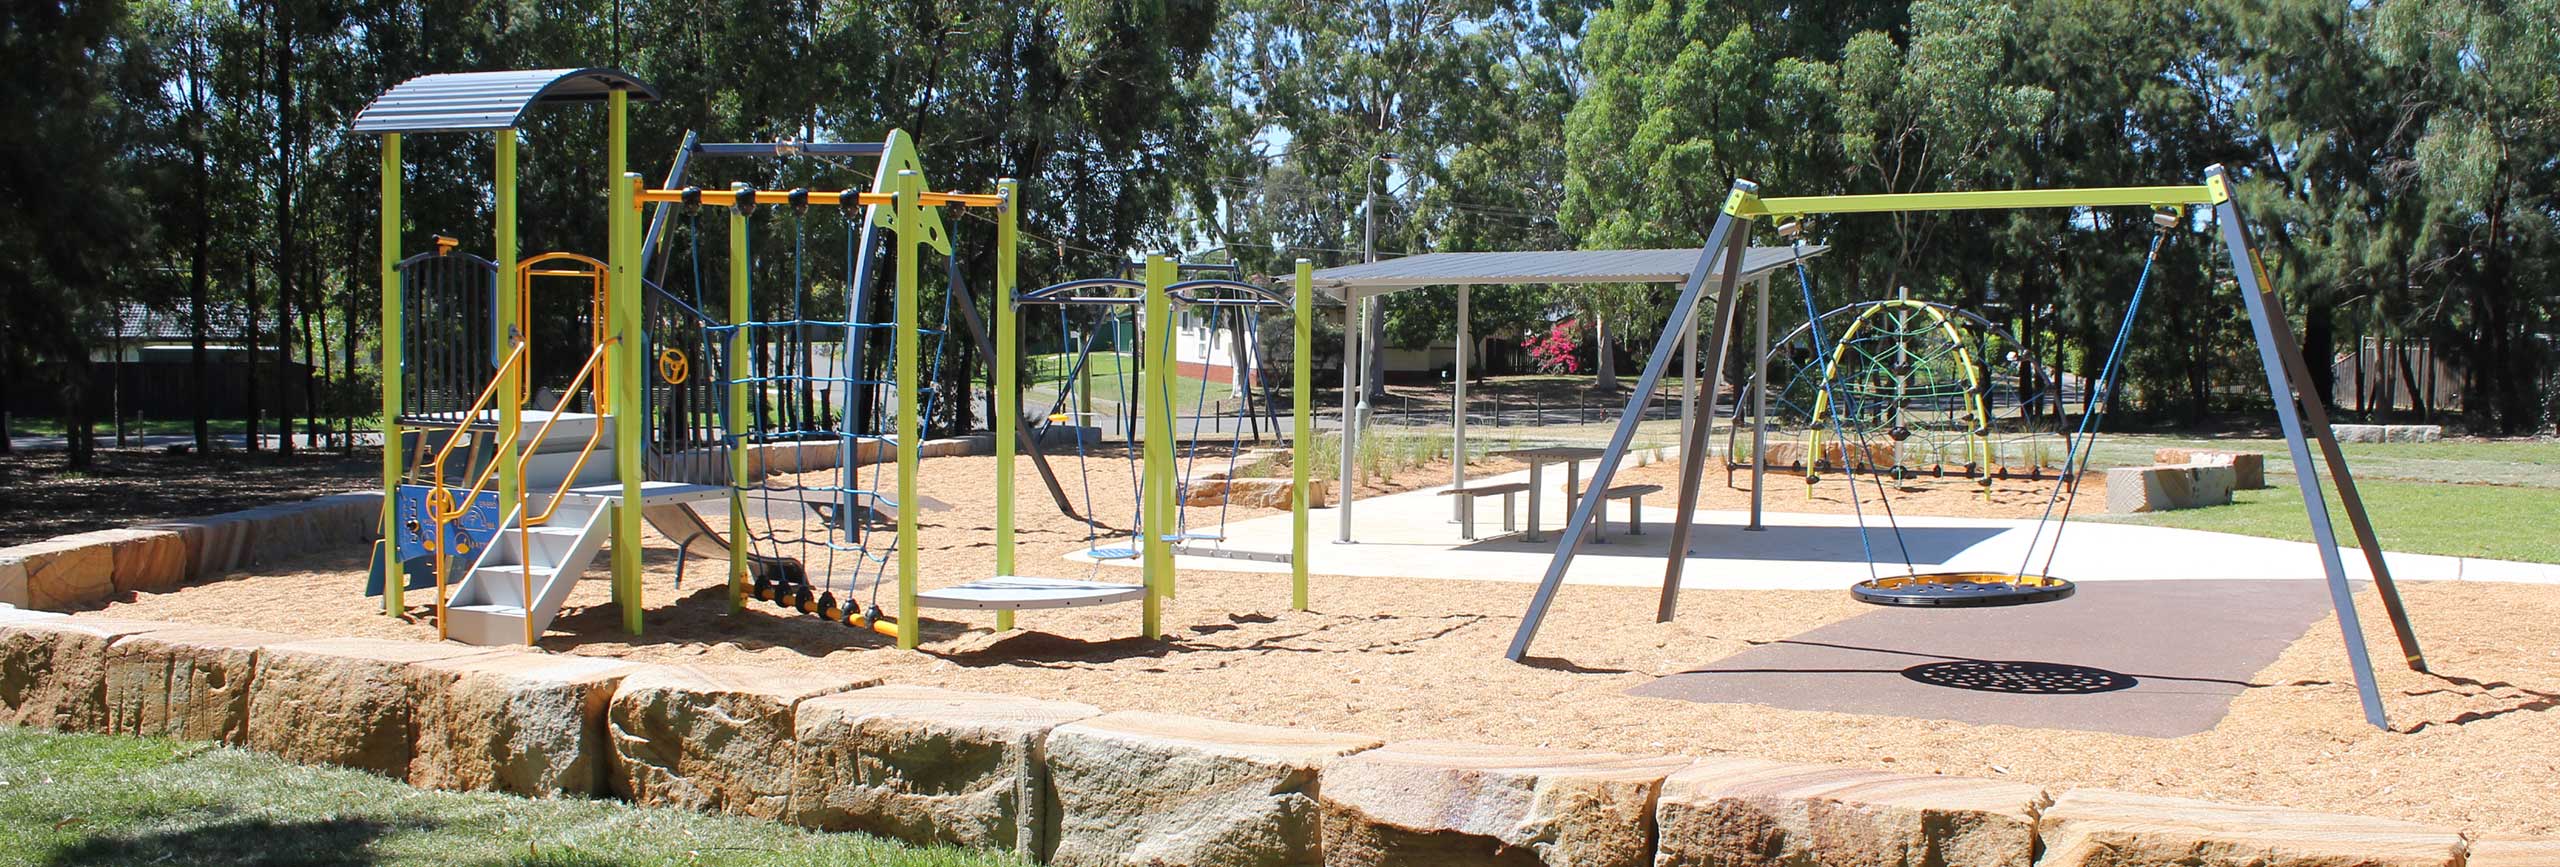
{"x": 1353, "y": 284}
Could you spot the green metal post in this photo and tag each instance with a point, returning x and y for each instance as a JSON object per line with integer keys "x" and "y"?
{"x": 910, "y": 423}
{"x": 1008, "y": 401}
{"x": 628, "y": 416}
{"x": 393, "y": 579}
{"x": 739, "y": 313}
{"x": 1156, "y": 505}
{"x": 510, "y": 402}
{"x": 1303, "y": 435}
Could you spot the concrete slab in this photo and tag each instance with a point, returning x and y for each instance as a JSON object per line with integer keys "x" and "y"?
{"x": 2148, "y": 658}
{"x": 1412, "y": 535}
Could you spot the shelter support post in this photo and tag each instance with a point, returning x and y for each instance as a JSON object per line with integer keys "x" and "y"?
{"x": 1693, "y": 452}
{"x": 394, "y": 579}
{"x": 1352, "y": 399}
{"x": 1302, "y": 385}
{"x": 1728, "y": 223}
{"x": 2280, "y": 387}
{"x": 1458, "y": 411}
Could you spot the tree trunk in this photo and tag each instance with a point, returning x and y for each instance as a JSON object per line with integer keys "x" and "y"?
{"x": 2320, "y": 344}
{"x": 286, "y": 262}
{"x": 249, "y": 340}
{"x": 1604, "y": 363}
{"x": 199, "y": 249}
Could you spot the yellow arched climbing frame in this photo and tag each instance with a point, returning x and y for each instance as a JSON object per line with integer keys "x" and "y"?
{"x": 1977, "y": 435}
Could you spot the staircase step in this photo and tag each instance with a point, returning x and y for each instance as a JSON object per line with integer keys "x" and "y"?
{"x": 515, "y": 611}
{"x": 549, "y": 544}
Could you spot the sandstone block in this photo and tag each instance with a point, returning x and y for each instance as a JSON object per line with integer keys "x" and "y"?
{"x": 146, "y": 561}
{"x": 342, "y": 701}
{"x": 53, "y": 670}
{"x": 2161, "y": 489}
{"x": 2501, "y": 851}
{"x": 14, "y": 614}
{"x": 1432, "y": 803}
{"x": 2412, "y": 433}
{"x": 2357, "y": 433}
{"x": 13, "y": 583}
{"x": 527, "y": 723}
{"x": 1137, "y": 789}
{"x": 928, "y": 765}
{"x": 62, "y": 572}
{"x": 711, "y": 737}
{"x": 1264, "y": 493}
{"x": 1740, "y": 812}
{"x": 185, "y": 682}
{"x": 2092, "y": 827}
{"x": 2248, "y": 469}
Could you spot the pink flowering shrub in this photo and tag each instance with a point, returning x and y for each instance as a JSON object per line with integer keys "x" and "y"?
{"x": 1553, "y": 351}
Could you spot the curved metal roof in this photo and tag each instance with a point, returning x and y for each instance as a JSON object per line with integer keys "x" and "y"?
{"x": 472, "y": 101}
{"x": 1542, "y": 266}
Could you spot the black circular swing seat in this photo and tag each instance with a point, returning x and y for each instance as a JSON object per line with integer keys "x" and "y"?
{"x": 1961, "y": 589}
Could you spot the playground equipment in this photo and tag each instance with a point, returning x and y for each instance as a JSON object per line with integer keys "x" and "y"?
{"x": 1145, "y": 414}
{"x": 2281, "y": 356}
{"x": 1949, "y": 394}
{"x": 677, "y": 407}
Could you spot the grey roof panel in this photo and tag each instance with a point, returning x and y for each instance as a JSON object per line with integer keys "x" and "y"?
{"x": 1543, "y": 266}
{"x": 470, "y": 101}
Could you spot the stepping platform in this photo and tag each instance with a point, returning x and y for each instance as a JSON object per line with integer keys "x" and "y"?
{"x": 1022, "y": 593}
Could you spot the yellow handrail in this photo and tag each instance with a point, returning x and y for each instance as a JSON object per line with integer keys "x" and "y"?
{"x": 595, "y": 362}
{"x": 525, "y": 519}
{"x": 441, "y": 506}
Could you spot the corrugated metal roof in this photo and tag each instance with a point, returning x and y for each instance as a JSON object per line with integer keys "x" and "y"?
{"x": 1544, "y": 266}
{"x": 469, "y": 101}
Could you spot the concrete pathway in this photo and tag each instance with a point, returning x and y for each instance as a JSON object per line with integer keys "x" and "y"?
{"x": 1413, "y": 535}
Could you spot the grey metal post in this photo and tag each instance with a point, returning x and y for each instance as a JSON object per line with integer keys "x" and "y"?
{"x": 1689, "y": 376}
{"x": 1352, "y": 399}
{"x": 1693, "y": 453}
{"x": 1759, "y": 401}
{"x": 1571, "y": 534}
{"x": 1458, "y": 415}
{"x": 2253, "y": 292}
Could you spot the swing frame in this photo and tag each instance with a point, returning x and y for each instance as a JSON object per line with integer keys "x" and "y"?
{"x": 2300, "y": 415}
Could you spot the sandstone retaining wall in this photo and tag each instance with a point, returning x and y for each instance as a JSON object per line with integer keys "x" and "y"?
{"x": 83, "y": 569}
{"x": 1066, "y": 782}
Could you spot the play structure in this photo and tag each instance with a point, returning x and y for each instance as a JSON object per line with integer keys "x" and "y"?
{"x": 1933, "y": 391}
{"x": 1723, "y": 257}
{"x": 760, "y": 424}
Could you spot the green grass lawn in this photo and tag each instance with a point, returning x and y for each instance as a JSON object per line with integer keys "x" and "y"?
{"x": 2493, "y": 521}
{"x": 2533, "y": 463}
{"x": 105, "y": 800}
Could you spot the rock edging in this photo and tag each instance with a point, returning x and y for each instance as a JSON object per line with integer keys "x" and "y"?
{"x": 1069, "y": 784}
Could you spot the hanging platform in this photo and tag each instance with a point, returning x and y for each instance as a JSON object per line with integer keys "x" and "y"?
{"x": 1019, "y": 593}
{"x": 1962, "y": 590}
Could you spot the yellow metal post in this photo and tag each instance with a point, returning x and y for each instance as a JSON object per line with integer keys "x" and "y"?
{"x": 1155, "y": 508}
{"x": 511, "y": 394}
{"x": 1008, "y": 401}
{"x": 629, "y": 373}
{"x": 1302, "y": 436}
{"x": 910, "y": 424}
{"x": 739, "y": 313}
{"x": 394, "y": 580}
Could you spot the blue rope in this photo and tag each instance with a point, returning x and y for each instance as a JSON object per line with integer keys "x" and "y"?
{"x": 2075, "y": 459}
{"x": 1813, "y": 322}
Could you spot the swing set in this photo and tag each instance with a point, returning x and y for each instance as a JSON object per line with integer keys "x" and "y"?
{"x": 2300, "y": 416}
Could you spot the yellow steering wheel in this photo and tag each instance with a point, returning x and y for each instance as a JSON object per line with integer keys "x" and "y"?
{"x": 672, "y": 366}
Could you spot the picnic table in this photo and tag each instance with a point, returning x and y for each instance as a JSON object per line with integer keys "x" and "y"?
{"x": 1537, "y": 459}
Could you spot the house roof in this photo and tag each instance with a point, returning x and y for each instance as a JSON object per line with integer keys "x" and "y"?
{"x": 469, "y": 101}
{"x": 224, "y": 323}
{"x": 1539, "y": 266}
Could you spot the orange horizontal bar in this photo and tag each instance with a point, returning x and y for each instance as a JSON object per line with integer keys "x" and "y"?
{"x": 725, "y": 198}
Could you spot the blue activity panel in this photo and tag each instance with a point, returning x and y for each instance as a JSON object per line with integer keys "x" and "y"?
{"x": 414, "y": 542}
